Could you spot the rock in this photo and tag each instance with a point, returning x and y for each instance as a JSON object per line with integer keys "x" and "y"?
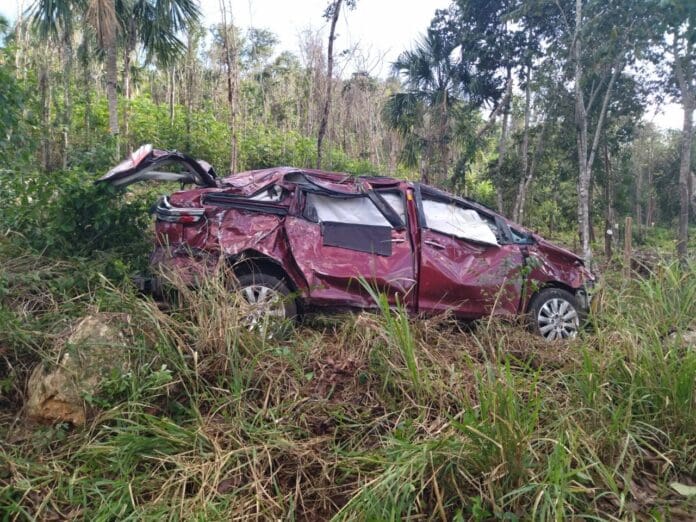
{"x": 687, "y": 338}
{"x": 95, "y": 347}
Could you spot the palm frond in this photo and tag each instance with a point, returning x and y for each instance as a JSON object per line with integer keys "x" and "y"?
{"x": 51, "y": 18}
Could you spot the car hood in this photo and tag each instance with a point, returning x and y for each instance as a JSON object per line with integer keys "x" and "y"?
{"x": 554, "y": 250}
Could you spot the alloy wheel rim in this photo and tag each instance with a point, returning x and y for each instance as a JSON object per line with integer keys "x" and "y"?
{"x": 264, "y": 303}
{"x": 558, "y": 319}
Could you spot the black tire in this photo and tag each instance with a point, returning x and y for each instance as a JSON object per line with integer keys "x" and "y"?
{"x": 555, "y": 314}
{"x": 252, "y": 286}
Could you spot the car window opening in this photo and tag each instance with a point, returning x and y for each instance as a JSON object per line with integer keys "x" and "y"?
{"x": 353, "y": 210}
{"x": 352, "y": 223}
{"x": 459, "y": 222}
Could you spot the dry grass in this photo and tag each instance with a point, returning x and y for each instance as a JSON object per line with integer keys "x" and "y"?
{"x": 220, "y": 423}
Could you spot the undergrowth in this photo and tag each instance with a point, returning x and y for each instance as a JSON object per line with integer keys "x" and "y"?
{"x": 357, "y": 417}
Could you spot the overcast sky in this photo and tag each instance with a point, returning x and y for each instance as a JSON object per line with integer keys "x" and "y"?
{"x": 380, "y": 28}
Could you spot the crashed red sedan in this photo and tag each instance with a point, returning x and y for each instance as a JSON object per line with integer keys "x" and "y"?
{"x": 303, "y": 239}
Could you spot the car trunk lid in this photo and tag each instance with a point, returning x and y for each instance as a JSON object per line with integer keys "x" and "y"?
{"x": 148, "y": 164}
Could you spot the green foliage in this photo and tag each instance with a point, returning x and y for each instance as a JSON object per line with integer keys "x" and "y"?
{"x": 66, "y": 214}
{"x": 16, "y": 117}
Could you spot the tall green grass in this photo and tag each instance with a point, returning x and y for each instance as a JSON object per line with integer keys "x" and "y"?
{"x": 366, "y": 417}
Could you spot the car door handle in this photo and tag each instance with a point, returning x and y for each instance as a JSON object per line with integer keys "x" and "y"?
{"x": 434, "y": 244}
{"x": 398, "y": 240}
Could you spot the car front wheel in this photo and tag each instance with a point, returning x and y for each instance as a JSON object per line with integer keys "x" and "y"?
{"x": 555, "y": 314}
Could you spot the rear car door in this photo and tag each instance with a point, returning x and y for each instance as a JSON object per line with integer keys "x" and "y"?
{"x": 466, "y": 264}
{"x": 340, "y": 238}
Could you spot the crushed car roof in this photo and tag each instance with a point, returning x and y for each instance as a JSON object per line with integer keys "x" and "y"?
{"x": 252, "y": 181}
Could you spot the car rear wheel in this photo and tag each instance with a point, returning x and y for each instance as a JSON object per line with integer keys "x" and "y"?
{"x": 267, "y": 303}
{"x": 555, "y": 314}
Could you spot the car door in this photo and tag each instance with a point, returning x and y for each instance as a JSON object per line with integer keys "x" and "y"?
{"x": 338, "y": 239}
{"x": 465, "y": 265}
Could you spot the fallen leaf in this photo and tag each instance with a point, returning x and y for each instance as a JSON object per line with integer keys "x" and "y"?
{"x": 683, "y": 489}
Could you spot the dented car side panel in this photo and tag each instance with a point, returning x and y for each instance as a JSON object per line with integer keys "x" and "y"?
{"x": 333, "y": 273}
{"x": 468, "y": 278}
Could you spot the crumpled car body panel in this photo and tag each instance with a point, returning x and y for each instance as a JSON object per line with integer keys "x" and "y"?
{"x": 264, "y": 215}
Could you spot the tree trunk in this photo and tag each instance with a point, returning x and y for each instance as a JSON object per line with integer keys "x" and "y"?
{"x": 584, "y": 174}
{"x": 127, "y": 57}
{"x": 329, "y": 81}
{"x": 67, "y": 99}
{"x": 650, "y": 211}
{"x": 230, "y": 49}
{"x": 684, "y": 172}
{"x": 190, "y": 83}
{"x": 685, "y": 80}
{"x": 525, "y": 145}
{"x": 19, "y": 39}
{"x": 44, "y": 90}
{"x": 442, "y": 140}
{"x": 609, "y": 208}
{"x": 86, "y": 78}
{"x": 639, "y": 199}
{"x": 171, "y": 97}
{"x": 502, "y": 143}
{"x": 111, "y": 95}
{"x": 526, "y": 181}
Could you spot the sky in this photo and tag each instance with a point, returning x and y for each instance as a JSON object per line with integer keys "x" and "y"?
{"x": 381, "y": 29}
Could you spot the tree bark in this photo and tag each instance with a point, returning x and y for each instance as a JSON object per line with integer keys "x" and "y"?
{"x": 525, "y": 145}
{"x": 230, "y": 49}
{"x": 171, "y": 96}
{"x": 639, "y": 198}
{"x": 67, "y": 99}
{"x": 650, "y": 211}
{"x": 502, "y": 143}
{"x": 111, "y": 95}
{"x": 329, "y": 81}
{"x": 581, "y": 137}
{"x": 442, "y": 140}
{"x": 45, "y": 94}
{"x": 526, "y": 181}
{"x": 127, "y": 57}
{"x": 685, "y": 81}
{"x": 609, "y": 208}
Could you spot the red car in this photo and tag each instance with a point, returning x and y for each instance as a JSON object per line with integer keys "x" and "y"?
{"x": 303, "y": 239}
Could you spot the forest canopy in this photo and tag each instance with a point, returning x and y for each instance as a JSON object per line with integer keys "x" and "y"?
{"x": 535, "y": 108}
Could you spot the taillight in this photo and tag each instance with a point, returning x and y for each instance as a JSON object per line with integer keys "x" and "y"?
{"x": 166, "y": 212}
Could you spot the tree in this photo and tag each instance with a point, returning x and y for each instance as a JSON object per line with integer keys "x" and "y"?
{"x": 422, "y": 114}
{"x": 596, "y": 40}
{"x": 155, "y": 24}
{"x": 443, "y": 86}
{"x": 331, "y": 13}
{"x": 680, "y": 28}
{"x": 231, "y": 58}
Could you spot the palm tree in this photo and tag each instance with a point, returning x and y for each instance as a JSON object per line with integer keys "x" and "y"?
{"x": 155, "y": 24}
{"x": 422, "y": 112}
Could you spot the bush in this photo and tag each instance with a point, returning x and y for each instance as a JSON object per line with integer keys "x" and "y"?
{"x": 68, "y": 215}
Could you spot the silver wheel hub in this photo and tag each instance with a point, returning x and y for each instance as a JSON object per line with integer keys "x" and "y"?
{"x": 263, "y": 303}
{"x": 558, "y": 319}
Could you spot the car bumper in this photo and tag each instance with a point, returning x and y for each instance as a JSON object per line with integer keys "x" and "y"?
{"x": 584, "y": 295}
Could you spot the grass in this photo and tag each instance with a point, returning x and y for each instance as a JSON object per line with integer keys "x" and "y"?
{"x": 358, "y": 417}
